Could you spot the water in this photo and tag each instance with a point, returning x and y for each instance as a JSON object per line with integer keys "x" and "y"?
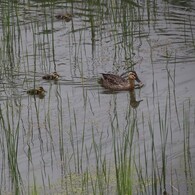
{"x": 71, "y": 129}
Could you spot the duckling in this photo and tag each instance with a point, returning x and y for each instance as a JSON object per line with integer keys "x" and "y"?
{"x": 116, "y": 82}
{"x": 38, "y": 91}
{"x": 67, "y": 17}
{"x": 53, "y": 76}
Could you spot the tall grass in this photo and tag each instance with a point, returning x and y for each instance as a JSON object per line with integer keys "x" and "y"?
{"x": 131, "y": 156}
{"x": 10, "y": 126}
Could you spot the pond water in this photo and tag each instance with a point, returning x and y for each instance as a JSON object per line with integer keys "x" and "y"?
{"x": 79, "y": 137}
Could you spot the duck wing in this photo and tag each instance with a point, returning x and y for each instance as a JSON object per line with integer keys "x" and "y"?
{"x": 113, "y": 79}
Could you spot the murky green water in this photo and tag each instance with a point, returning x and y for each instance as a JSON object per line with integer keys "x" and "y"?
{"x": 69, "y": 140}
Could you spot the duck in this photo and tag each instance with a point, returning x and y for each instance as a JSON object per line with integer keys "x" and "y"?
{"x": 67, "y": 17}
{"x": 52, "y": 76}
{"x": 118, "y": 83}
{"x": 38, "y": 91}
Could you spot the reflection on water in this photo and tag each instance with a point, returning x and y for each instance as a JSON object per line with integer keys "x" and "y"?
{"x": 78, "y": 125}
{"x": 133, "y": 102}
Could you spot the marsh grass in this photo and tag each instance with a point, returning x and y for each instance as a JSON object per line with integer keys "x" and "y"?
{"x": 10, "y": 125}
{"x": 119, "y": 160}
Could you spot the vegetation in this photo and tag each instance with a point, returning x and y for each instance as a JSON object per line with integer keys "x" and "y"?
{"x": 78, "y": 138}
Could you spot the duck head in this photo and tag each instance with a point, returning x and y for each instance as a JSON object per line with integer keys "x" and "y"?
{"x": 56, "y": 74}
{"x": 133, "y": 76}
{"x": 41, "y": 89}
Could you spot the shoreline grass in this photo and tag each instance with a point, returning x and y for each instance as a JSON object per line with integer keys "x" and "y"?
{"x": 120, "y": 150}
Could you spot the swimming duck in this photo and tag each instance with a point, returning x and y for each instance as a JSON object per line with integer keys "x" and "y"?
{"x": 116, "y": 82}
{"x": 67, "y": 17}
{"x": 38, "y": 91}
{"x": 53, "y": 76}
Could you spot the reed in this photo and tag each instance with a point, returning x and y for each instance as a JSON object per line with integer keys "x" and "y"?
{"x": 10, "y": 128}
{"x": 120, "y": 150}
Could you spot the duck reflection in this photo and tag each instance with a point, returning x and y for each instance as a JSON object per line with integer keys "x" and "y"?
{"x": 133, "y": 102}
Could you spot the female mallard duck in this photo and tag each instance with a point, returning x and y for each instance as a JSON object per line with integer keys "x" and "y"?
{"x": 53, "y": 76}
{"x": 116, "y": 82}
{"x": 67, "y": 17}
{"x": 38, "y": 91}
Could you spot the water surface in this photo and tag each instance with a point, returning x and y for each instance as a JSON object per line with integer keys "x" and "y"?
{"x": 77, "y": 124}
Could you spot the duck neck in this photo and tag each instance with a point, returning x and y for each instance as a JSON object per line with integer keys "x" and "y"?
{"x": 132, "y": 83}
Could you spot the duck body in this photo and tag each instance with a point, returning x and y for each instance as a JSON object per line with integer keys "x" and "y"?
{"x": 114, "y": 82}
{"x": 67, "y": 17}
{"x": 38, "y": 91}
{"x": 118, "y": 83}
{"x": 53, "y": 76}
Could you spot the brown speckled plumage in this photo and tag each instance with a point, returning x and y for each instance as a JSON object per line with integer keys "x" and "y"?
{"x": 116, "y": 82}
{"x": 37, "y": 91}
{"x": 52, "y": 76}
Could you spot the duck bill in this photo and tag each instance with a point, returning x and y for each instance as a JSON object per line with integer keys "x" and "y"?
{"x": 139, "y": 82}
